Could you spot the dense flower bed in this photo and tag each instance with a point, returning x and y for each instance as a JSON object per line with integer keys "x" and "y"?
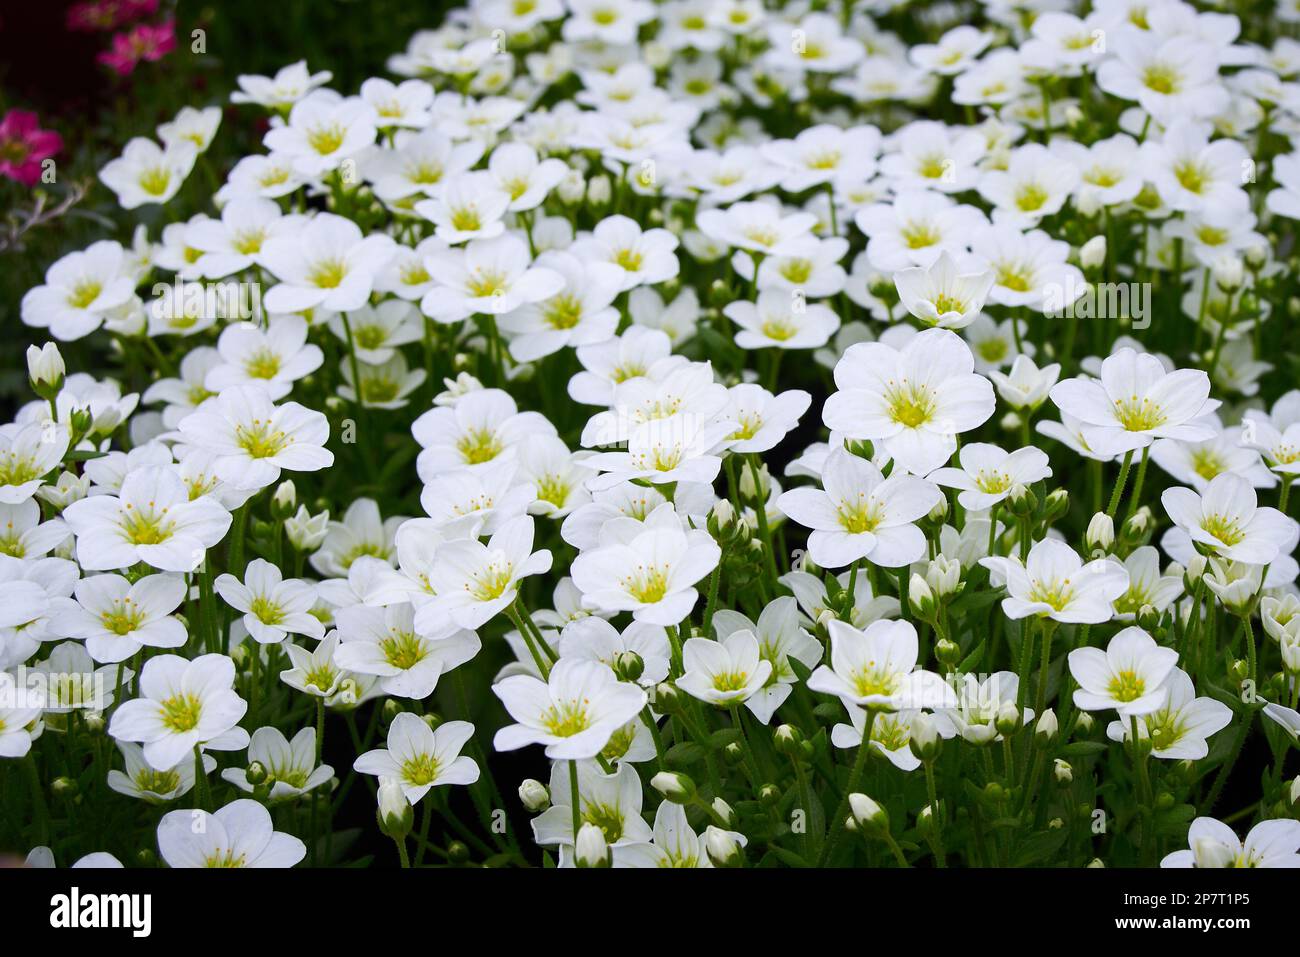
{"x": 829, "y": 434}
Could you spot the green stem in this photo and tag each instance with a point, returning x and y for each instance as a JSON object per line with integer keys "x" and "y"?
{"x": 855, "y": 777}
{"x": 1118, "y": 492}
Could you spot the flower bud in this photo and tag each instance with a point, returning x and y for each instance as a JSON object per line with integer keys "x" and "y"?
{"x": 1062, "y": 771}
{"x": 1227, "y": 272}
{"x": 628, "y": 665}
{"x": 926, "y": 743}
{"x": 394, "y": 813}
{"x": 948, "y": 652}
{"x": 667, "y": 699}
{"x": 599, "y": 190}
{"x": 724, "y": 812}
{"x": 862, "y": 448}
{"x": 256, "y": 773}
{"x": 937, "y": 514}
{"x": 284, "y": 500}
{"x": 45, "y": 370}
{"x": 1009, "y": 719}
{"x": 458, "y": 852}
{"x": 1022, "y": 500}
{"x": 534, "y": 796}
{"x": 674, "y": 786}
{"x": 789, "y": 740}
{"x": 1195, "y": 569}
{"x": 571, "y": 189}
{"x": 591, "y": 849}
{"x": 1057, "y": 504}
{"x": 1295, "y": 790}
{"x": 943, "y": 575}
{"x": 920, "y": 598}
{"x": 1084, "y": 723}
{"x": 1101, "y": 533}
{"x": 871, "y": 819}
{"x": 723, "y": 848}
{"x": 1047, "y": 727}
{"x": 1092, "y": 255}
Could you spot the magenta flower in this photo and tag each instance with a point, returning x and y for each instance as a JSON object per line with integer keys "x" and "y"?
{"x": 144, "y": 42}
{"x": 95, "y": 15}
{"x": 24, "y": 145}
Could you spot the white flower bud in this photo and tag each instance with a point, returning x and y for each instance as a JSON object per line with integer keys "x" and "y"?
{"x": 1228, "y": 272}
{"x": 943, "y": 575}
{"x": 1062, "y": 771}
{"x": 1047, "y": 726}
{"x": 534, "y": 796}
{"x": 723, "y": 848}
{"x": 591, "y": 849}
{"x": 1101, "y": 533}
{"x": 1093, "y": 253}
{"x": 395, "y": 814}
{"x": 45, "y": 369}
{"x": 868, "y": 815}
{"x": 599, "y": 190}
{"x": 674, "y": 786}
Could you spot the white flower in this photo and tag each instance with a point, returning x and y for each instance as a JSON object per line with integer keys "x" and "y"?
{"x": 290, "y": 764}
{"x": 80, "y": 291}
{"x": 876, "y": 669}
{"x": 574, "y": 712}
{"x": 726, "y": 672}
{"x": 758, "y": 227}
{"x": 234, "y": 242}
{"x": 645, "y": 257}
{"x": 822, "y": 153}
{"x": 389, "y": 643}
{"x": 146, "y": 783}
{"x": 913, "y": 401}
{"x": 1175, "y": 78}
{"x": 650, "y": 572}
{"x": 988, "y": 474}
{"x": 323, "y": 130}
{"x": 420, "y": 757}
{"x": 941, "y": 296}
{"x": 473, "y": 582}
{"x": 28, "y": 453}
{"x": 978, "y": 703}
{"x": 1178, "y": 730}
{"x": 272, "y": 606}
{"x": 253, "y": 439}
{"x": 289, "y": 85}
{"x": 241, "y": 834}
{"x": 147, "y": 173}
{"x": 1192, "y": 173}
{"x": 314, "y": 672}
{"x": 1026, "y": 385}
{"x": 151, "y": 520}
{"x": 1273, "y": 843}
{"x": 609, "y": 802}
{"x": 486, "y": 277}
{"x": 398, "y": 104}
{"x": 1226, "y": 521}
{"x": 783, "y": 320}
{"x": 780, "y": 639}
{"x": 469, "y": 206}
{"x": 578, "y": 314}
{"x": 183, "y": 705}
{"x": 1131, "y": 675}
{"x": 273, "y": 357}
{"x": 191, "y": 127}
{"x": 1135, "y": 402}
{"x": 1054, "y": 582}
{"x": 116, "y": 618}
{"x": 914, "y": 227}
{"x": 24, "y": 535}
{"x": 594, "y": 639}
{"x": 18, "y": 728}
{"x": 481, "y": 426}
{"x": 325, "y": 265}
{"x": 763, "y": 419}
{"x": 861, "y": 514}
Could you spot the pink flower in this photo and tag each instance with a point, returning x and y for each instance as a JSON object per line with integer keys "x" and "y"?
{"x": 24, "y": 145}
{"x": 145, "y": 42}
{"x": 96, "y": 15}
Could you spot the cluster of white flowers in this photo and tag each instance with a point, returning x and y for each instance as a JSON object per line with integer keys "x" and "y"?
{"x": 541, "y": 287}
